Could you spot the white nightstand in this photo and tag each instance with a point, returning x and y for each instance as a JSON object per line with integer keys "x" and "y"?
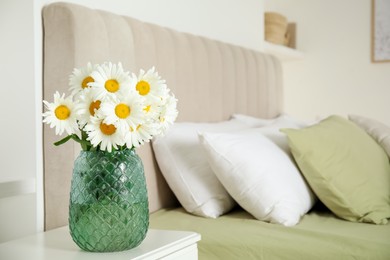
{"x": 57, "y": 244}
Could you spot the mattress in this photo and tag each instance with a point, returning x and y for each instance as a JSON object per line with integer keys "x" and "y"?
{"x": 319, "y": 235}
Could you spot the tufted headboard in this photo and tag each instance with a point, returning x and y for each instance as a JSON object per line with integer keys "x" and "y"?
{"x": 211, "y": 80}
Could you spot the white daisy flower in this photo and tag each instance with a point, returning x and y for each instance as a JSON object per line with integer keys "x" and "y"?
{"x": 110, "y": 80}
{"x": 105, "y": 135}
{"x": 124, "y": 112}
{"x": 80, "y": 78}
{"x": 87, "y": 106}
{"x": 153, "y": 111}
{"x": 136, "y": 137}
{"x": 61, "y": 114}
{"x": 150, "y": 85}
{"x": 169, "y": 113}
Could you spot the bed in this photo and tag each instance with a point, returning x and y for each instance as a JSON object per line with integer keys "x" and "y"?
{"x": 212, "y": 81}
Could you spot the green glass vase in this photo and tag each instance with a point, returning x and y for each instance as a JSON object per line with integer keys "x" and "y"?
{"x": 108, "y": 208}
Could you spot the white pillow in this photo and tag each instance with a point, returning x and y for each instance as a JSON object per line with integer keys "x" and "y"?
{"x": 259, "y": 175}
{"x": 272, "y": 131}
{"x": 185, "y": 167}
{"x": 377, "y": 130}
{"x": 254, "y": 121}
{"x": 270, "y": 128}
{"x": 258, "y": 122}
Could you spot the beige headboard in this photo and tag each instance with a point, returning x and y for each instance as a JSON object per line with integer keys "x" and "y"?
{"x": 211, "y": 80}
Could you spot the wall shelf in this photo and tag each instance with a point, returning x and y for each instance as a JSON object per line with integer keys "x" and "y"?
{"x": 12, "y": 188}
{"x": 282, "y": 52}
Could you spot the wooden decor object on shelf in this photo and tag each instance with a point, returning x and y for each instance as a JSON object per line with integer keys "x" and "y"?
{"x": 290, "y": 39}
{"x": 275, "y": 26}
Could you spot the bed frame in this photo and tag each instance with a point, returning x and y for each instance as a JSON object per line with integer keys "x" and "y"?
{"x": 211, "y": 80}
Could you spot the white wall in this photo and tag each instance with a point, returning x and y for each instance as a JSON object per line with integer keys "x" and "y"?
{"x": 17, "y": 92}
{"x": 336, "y": 75}
{"x": 234, "y": 21}
{"x": 18, "y": 120}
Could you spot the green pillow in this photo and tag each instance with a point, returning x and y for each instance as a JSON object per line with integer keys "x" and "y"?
{"x": 345, "y": 167}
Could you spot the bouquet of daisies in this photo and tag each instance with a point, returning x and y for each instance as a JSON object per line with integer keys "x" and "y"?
{"x": 110, "y": 109}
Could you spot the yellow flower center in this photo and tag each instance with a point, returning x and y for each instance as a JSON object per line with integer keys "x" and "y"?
{"x": 62, "y": 112}
{"x": 107, "y": 129}
{"x": 85, "y": 82}
{"x": 94, "y": 105}
{"x": 132, "y": 129}
{"x": 143, "y": 87}
{"x": 147, "y": 108}
{"x": 111, "y": 85}
{"x": 122, "y": 111}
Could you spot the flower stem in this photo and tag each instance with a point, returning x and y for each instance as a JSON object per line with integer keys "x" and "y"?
{"x": 67, "y": 138}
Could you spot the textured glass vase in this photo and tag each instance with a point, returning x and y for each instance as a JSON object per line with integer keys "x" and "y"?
{"x": 108, "y": 208}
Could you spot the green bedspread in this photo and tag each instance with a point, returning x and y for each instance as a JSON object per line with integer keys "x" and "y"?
{"x": 237, "y": 235}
